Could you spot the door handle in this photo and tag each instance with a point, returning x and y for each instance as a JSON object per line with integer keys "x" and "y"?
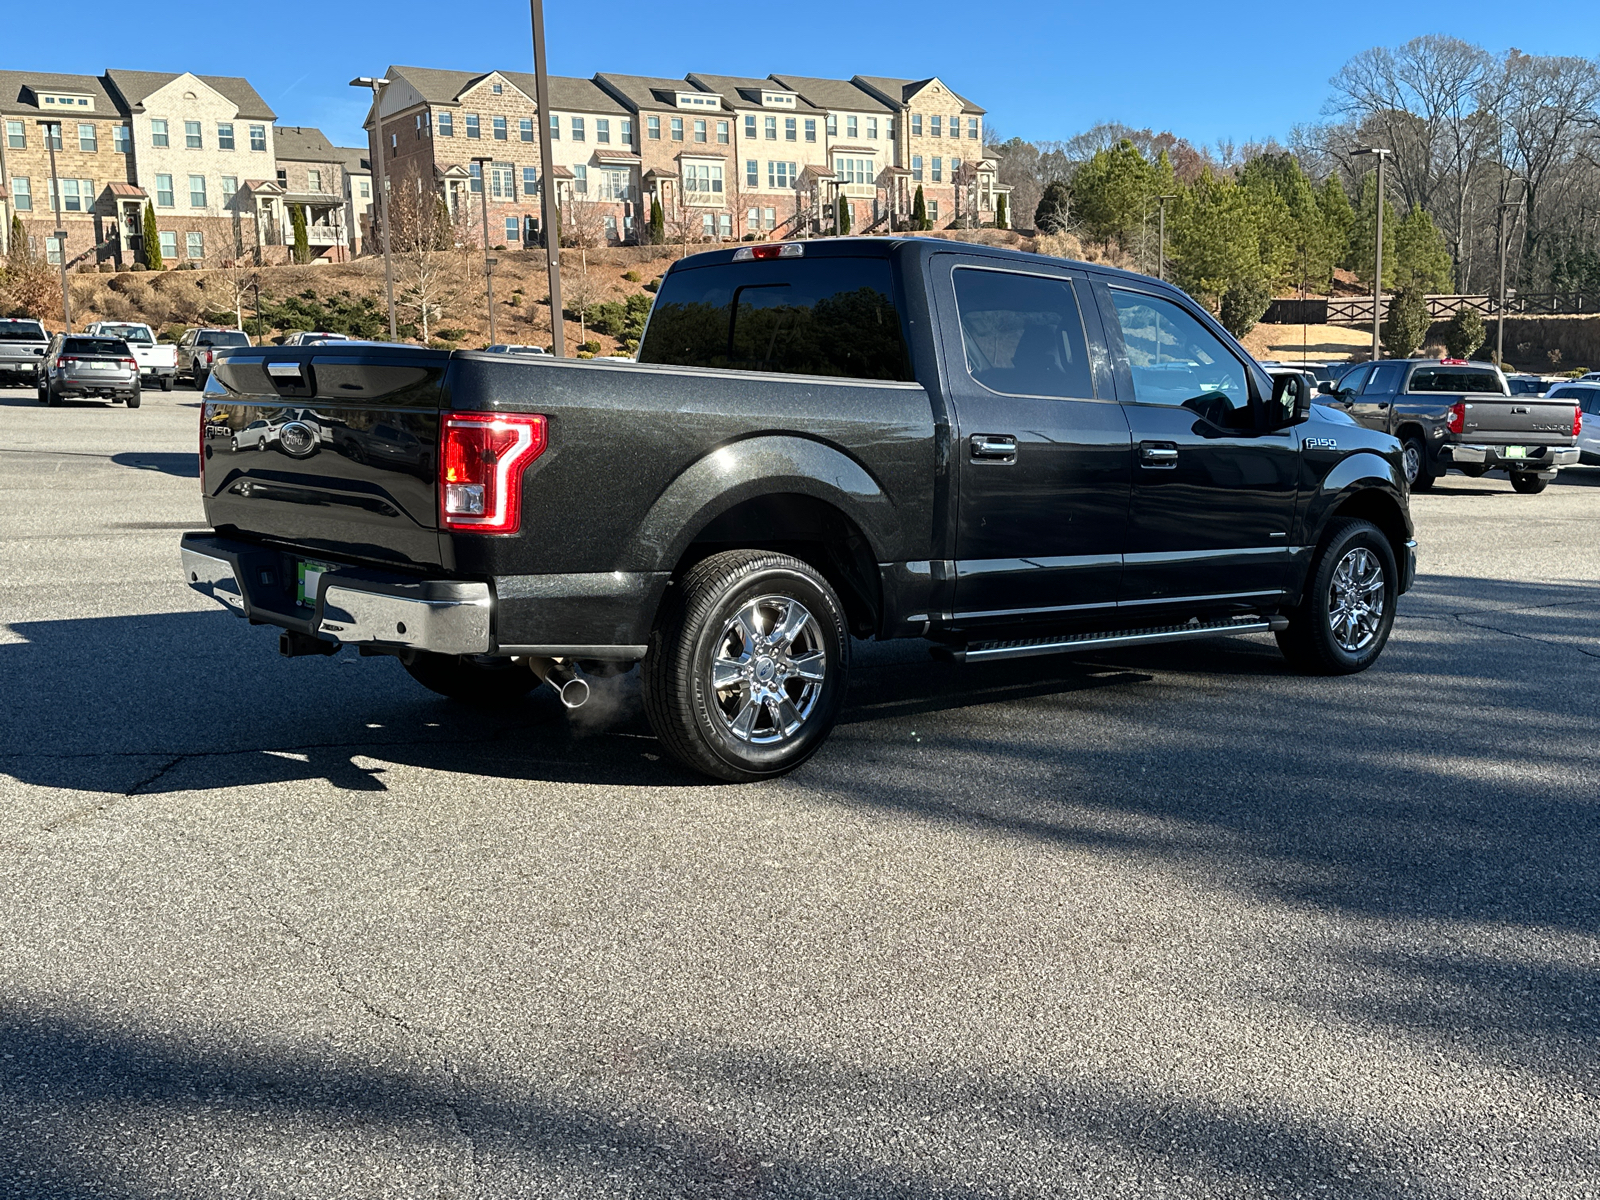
{"x": 1383, "y": 404}
{"x": 994, "y": 447}
{"x": 1158, "y": 454}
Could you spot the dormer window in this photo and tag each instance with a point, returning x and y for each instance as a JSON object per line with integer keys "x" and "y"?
{"x": 777, "y": 99}
{"x": 58, "y": 100}
{"x": 698, "y": 100}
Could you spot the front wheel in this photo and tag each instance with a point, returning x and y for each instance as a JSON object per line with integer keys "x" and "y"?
{"x": 51, "y": 396}
{"x": 1525, "y": 483}
{"x": 747, "y": 669}
{"x": 1414, "y": 453}
{"x": 472, "y": 679}
{"x": 1344, "y": 619}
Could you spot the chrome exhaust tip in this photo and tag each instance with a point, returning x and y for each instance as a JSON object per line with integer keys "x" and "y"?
{"x": 570, "y": 688}
{"x": 574, "y": 693}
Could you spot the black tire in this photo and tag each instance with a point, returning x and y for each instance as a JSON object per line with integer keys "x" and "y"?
{"x": 200, "y": 380}
{"x": 1317, "y": 641}
{"x": 166, "y": 380}
{"x": 771, "y": 685}
{"x": 1414, "y": 456}
{"x": 473, "y": 680}
{"x": 51, "y": 396}
{"x": 1525, "y": 483}
{"x": 133, "y": 398}
{"x": 1473, "y": 470}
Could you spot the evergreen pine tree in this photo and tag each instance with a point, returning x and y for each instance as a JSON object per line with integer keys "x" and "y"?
{"x": 1337, "y": 219}
{"x": 297, "y": 223}
{"x": 152, "y": 240}
{"x": 1363, "y": 244}
{"x": 1001, "y": 215}
{"x": 919, "y": 211}
{"x": 844, "y": 216}
{"x": 1055, "y": 208}
{"x": 19, "y": 238}
{"x": 1422, "y": 258}
{"x": 1406, "y": 327}
{"x": 1465, "y": 332}
{"x": 658, "y": 222}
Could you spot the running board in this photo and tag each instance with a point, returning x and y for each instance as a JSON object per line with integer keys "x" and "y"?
{"x": 1073, "y": 643}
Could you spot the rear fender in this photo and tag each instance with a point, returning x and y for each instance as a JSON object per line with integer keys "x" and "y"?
{"x": 762, "y": 466}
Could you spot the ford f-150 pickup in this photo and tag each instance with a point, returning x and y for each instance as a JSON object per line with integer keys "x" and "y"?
{"x": 1003, "y": 453}
{"x": 158, "y": 361}
{"x": 1454, "y": 413}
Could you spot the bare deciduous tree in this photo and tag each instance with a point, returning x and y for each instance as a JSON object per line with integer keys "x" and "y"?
{"x": 430, "y": 267}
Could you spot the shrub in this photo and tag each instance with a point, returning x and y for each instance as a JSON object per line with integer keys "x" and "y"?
{"x": 1243, "y": 305}
{"x": 619, "y": 318}
{"x": 1054, "y": 208}
{"x": 450, "y": 335}
{"x": 152, "y": 239}
{"x": 1002, "y": 212}
{"x": 1406, "y": 326}
{"x": 653, "y": 286}
{"x": 1464, "y": 332}
{"x": 919, "y": 211}
{"x": 631, "y": 276}
{"x": 591, "y": 347}
{"x": 138, "y": 266}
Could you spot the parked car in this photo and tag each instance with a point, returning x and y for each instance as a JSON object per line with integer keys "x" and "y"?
{"x": 313, "y": 339}
{"x": 198, "y": 350}
{"x": 1001, "y": 452}
{"x": 158, "y": 361}
{"x": 1527, "y": 385}
{"x": 1454, "y": 413}
{"x": 1322, "y": 372}
{"x": 1590, "y": 377}
{"x": 89, "y": 367}
{"x": 1587, "y": 396}
{"x": 515, "y": 349}
{"x": 23, "y": 342}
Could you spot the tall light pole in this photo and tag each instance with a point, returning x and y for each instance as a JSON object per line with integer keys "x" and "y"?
{"x": 1161, "y": 235}
{"x": 1500, "y": 322}
{"x": 547, "y": 189}
{"x": 57, "y": 208}
{"x": 488, "y": 260}
{"x": 382, "y": 184}
{"x": 1377, "y": 270}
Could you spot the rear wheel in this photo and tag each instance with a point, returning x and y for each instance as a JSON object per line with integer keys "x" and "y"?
{"x": 200, "y": 378}
{"x": 1343, "y": 622}
{"x": 51, "y": 396}
{"x": 166, "y": 383}
{"x": 472, "y": 679}
{"x": 747, "y": 669}
{"x": 133, "y": 398}
{"x": 1527, "y": 484}
{"x": 1414, "y": 453}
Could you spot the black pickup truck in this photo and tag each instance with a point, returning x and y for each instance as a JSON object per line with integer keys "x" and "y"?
{"x": 1454, "y": 413}
{"x": 1003, "y": 453}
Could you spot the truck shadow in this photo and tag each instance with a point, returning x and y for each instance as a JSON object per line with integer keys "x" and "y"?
{"x": 182, "y": 466}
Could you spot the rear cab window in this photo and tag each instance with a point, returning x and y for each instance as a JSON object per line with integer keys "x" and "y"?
{"x": 22, "y": 331}
{"x": 1469, "y": 380}
{"x": 828, "y": 315}
{"x": 129, "y": 333}
{"x": 224, "y": 338}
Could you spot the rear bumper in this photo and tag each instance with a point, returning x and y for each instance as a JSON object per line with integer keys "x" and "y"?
{"x": 158, "y": 372}
{"x": 11, "y": 368}
{"x": 1538, "y": 458}
{"x": 80, "y": 385}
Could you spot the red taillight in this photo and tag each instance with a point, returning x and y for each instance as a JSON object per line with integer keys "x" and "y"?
{"x": 769, "y": 250}
{"x": 481, "y": 460}
{"x": 1458, "y": 417}
{"x": 1577, "y": 415}
{"x": 61, "y": 363}
{"x": 134, "y": 362}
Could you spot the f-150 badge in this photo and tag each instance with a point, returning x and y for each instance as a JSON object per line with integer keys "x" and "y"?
{"x": 1321, "y": 444}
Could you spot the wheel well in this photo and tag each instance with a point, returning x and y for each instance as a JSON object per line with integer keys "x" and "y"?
{"x": 1373, "y": 505}
{"x": 811, "y": 530}
{"x": 1411, "y": 428}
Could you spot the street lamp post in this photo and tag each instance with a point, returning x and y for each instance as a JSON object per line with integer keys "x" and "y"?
{"x": 1500, "y": 320}
{"x": 382, "y": 183}
{"x": 1377, "y": 271}
{"x": 547, "y": 187}
{"x": 488, "y": 259}
{"x": 1161, "y": 235}
{"x": 57, "y": 208}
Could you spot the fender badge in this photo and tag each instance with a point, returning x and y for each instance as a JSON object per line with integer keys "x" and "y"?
{"x": 1321, "y": 444}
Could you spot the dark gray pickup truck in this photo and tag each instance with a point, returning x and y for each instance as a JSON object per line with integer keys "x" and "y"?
{"x": 1003, "y": 453}
{"x": 1454, "y": 413}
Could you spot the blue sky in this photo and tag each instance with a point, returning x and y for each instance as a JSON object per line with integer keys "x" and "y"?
{"x": 1245, "y": 71}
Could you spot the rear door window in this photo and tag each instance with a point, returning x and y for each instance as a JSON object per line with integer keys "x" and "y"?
{"x": 820, "y": 316}
{"x": 1023, "y": 334}
{"x": 1385, "y": 379}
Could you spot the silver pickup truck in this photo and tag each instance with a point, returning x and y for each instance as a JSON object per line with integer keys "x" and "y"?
{"x": 22, "y": 346}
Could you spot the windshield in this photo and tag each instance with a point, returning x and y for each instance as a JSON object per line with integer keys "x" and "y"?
{"x": 1473, "y": 381}
{"x": 22, "y": 331}
{"x": 223, "y": 337}
{"x": 98, "y": 345}
{"x": 129, "y": 333}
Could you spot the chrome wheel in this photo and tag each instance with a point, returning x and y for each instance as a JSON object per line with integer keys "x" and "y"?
{"x": 1356, "y": 599}
{"x": 767, "y": 670}
{"x": 1411, "y": 456}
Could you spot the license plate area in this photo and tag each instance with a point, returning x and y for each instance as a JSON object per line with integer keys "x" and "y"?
{"x": 1514, "y": 452}
{"x": 307, "y": 575}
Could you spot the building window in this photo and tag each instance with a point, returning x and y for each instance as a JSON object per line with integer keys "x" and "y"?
{"x": 191, "y": 135}
{"x": 525, "y": 129}
{"x": 169, "y": 243}
{"x": 158, "y": 133}
{"x": 677, "y": 129}
{"x": 16, "y": 136}
{"x": 938, "y": 169}
{"x": 578, "y": 133}
{"x": 972, "y": 129}
{"x": 611, "y": 228}
{"x": 955, "y": 127}
{"x": 77, "y": 195}
{"x": 933, "y": 210}
{"x": 616, "y": 185}
{"x": 121, "y": 139}
{"x": 833, "y": 125}
{"x": 163, "y": 191}
{"x": 700, "y": 130}
{"x": 916, "y": 124}
{"x": 365, "y": 187}
{"x": 497, "y": 88}
{"x": 722, "y": 133}
{"x": 627, "y": 132}
{"x": 225, "y": 135}
{"x": 750, "y": 126}
{"x": 955, "y": 170}
{"x": 790, "y": 131}
{"x": 752, "y": 173}
{"x": 53, "y": 250}
{"x": 475, "y": 182}
{"x": 197, "y": 191}
{"x": 52, "y": 137}
{"x": 22, "y": 193}
{"x": 580, "y": 180}
{"x": 230, "y": 185}
{"x": 916, "y": 167}
{"x": 394, "y": 142}
{"x": 258, "y": 137}
{"x": 769, "y": 218}
{"x": 555, "y": 126}
{"x": 530, "y": 181}
{"x": 472, "y": 126}
{"x": 499, "y": 128}
{"x": 888, "y": 129}
{"x": 88, "y": 140}
{"x": 446, "y": 125}
{"x": 702, "y": 179}
{"x": 283, "y": 178}
{"x": 872, "y": 129}
{"x": 652, "y": 128}
{"x": 853, "y": 170}
{"x": 503, "y": 181}
{"x": 194, "y": 245}
{"x": 513, "y": 229}
{"x": 725, "y": 224}
{"x": 708, "y": 224}
{"x": 772, "y": 129}
{"x": 313, "y": 181}
{"x": 934, "y": 129}
{"x": 781, "y": 174}
{"x": 851, "y": 129}
{"x": 602, "y": 131}
{"x": 811, "y": 129}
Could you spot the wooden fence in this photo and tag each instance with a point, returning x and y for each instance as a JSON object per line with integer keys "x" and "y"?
{"x": 1357, "y": 310}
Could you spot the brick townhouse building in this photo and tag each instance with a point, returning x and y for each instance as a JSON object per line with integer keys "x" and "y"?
{"x": 729, "y": 156}
{"x": 311, "y": 173}
{"x": 355, "y": 167}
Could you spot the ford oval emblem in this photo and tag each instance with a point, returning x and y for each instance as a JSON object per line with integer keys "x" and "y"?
{"x": 297, "y": 438}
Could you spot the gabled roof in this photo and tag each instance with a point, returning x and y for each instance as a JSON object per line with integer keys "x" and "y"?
{"x": 900, "y": 91}
{"x": 302, "y": 143}
{"x": 136, "y": 86}
{"x": 567, "y": 94}
{"x": 645, "y": 92}
{"x": 833, "y": 93}
{"x": 354, "y": 158}
{"x": 740, "y": 92}
{"x": 15, "y": 84}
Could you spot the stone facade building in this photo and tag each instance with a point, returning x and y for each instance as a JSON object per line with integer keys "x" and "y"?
{"x": 311, "y": 173}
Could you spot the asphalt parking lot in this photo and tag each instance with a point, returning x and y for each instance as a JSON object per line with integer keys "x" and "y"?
{"x": 1146, "y": 924}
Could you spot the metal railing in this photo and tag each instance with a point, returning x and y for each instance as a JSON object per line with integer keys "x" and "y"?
{"x": 1357, "y": 310}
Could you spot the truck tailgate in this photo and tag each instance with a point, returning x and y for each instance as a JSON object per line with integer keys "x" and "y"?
{"x": 331, "y": 451}
{"x": 1517, "y": 419}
